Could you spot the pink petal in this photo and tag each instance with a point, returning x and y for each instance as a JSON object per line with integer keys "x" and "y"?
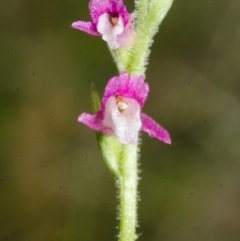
{"x": 87, "y": 27}
{"x": 93, "y": 121}
{"x": 125, "y": 39}
{"x": 154, "y": 129}
{"x": 132, "y": 87}
{"x": 99, "y": 7}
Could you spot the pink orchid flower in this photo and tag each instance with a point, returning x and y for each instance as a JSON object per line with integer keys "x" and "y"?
{"x": 111, "y": 20}
{"x": 120, "y": 111}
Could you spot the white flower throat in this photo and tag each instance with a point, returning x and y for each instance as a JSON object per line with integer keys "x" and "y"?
{"x": 122, "y": 115}
{"x": 110, "y": 26}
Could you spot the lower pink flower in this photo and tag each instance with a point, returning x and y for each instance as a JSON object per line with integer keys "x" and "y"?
{"x": 120, "y": 111}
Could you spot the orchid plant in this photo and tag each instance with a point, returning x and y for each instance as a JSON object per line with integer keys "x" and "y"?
{"x": 117, "y": 118}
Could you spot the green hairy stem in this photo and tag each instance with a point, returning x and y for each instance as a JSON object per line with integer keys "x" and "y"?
{"x": 122, "y": 159}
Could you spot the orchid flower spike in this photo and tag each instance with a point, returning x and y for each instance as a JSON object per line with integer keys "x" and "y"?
{"x": 120, "y": 111}
{"x": 111, "y": 20}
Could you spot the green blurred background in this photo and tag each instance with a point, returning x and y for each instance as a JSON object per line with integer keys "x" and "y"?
{"x": 54, "y": 185}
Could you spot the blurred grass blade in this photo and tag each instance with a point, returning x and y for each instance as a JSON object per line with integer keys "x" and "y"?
{"x": 95, "y": 98}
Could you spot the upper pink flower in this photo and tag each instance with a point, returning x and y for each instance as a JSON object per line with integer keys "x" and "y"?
{"x": 111, "y": 20}
{"x": 120, "y": 111}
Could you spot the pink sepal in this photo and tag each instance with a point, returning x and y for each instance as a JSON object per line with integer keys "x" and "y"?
{"x": 127, "y": 86}
{"x": 99, "y": 7}
{"x": 154, "y": 129}
{"x": 94, "y": 122}
{"x": 87, "y": 27}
